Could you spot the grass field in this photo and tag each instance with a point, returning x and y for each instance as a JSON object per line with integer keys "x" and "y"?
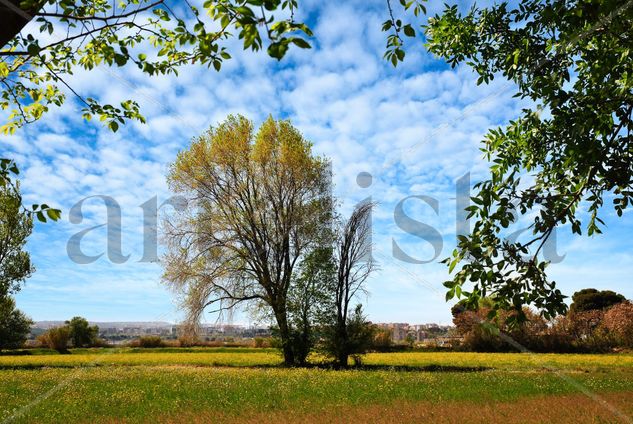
{"x": 247, "y": 385}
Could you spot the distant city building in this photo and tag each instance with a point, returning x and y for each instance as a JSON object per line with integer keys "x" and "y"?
{"x": 400, "y": 331}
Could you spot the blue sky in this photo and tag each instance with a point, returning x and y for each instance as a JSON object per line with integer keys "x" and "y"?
{"x": 416, "y": 129}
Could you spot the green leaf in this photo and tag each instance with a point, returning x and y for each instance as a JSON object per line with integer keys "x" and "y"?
{"x": 300, "y": 42}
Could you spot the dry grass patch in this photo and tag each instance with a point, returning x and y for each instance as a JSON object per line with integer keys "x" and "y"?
{"x": 576, "y": 409}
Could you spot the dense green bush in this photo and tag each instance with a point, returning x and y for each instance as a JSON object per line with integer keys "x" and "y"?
{"x": 592, "y": 299}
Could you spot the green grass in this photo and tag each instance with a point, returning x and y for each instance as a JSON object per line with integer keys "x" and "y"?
{"x": 140, "y": 384}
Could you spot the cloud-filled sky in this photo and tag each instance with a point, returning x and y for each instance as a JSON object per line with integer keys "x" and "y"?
{"x": 416, "y": 129}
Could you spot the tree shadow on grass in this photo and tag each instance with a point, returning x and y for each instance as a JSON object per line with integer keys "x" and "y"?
{"x": 361, "y": 368}
{"x": 379, "y": 367}
{"x": 421, "y": 368}
{"x": 22, "y": 352}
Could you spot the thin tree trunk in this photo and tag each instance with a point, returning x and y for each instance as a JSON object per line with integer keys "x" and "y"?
{"x": 343, "y": 353}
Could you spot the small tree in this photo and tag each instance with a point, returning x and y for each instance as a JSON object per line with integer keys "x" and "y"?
{"x": 346, "y": 335}
{"x": 81, "y": 333}
{"x": 360, "y": 334}
{"x": 382, "y": 339}
{"x": 410, "y": 339}
{"x": 308, "y": 301}
{"x": 14, "y": 325}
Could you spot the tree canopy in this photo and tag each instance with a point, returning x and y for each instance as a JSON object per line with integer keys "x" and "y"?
{"x": 81, "y": 332}
{"x": 592, "y": 299}
{"x": 15, "y": 265}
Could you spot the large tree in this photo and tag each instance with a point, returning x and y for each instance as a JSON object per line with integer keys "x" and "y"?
{"x": 255, "y": 207}
{"x": 15, "y": 265}
{"x": 564, "y": 156}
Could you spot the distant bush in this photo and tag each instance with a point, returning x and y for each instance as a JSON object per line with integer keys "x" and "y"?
{"x": 147, "y": 342}
{"x": 101, "y": 343}
{"x": 56, "y": 338}
{"x": 261, "y": 342}
{"x": 481, "y": 334}
{"x": 382, "y": 340}
{"x": 188, "y": 341}
{"x": 275, "y": 342}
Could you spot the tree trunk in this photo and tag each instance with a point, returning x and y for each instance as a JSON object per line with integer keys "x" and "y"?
{"x": 343, "y": 359}
{"x": 284, "y": 334}
{"x": 12, "y": 20}
{"x": 343, "y": 348}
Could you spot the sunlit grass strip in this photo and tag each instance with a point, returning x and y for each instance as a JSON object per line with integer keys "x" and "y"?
{"x": 266, "y": 358}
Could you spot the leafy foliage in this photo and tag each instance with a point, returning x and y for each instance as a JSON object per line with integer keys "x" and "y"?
{"x": 156, "y": 38}
{"x": 394, "y": 50}
{"x": 14, "y": 325}
{"x": 594, "y": 330}
{"x": 15, "y": 227}
{"x": 618, "y": 320}
{"x": 8, "y": 171}
{"x": 573, "y": 149}
{"x": 150, "y": 34}
{"x": 356, "y": 339}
